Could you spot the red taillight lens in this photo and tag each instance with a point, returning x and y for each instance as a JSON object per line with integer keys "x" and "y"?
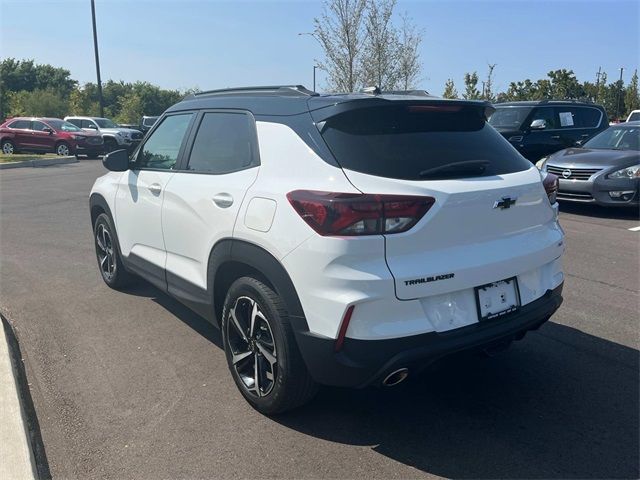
{"x": 551, "y": 185}
{"x": 330, "y": 213}
{"x": 343, "y": 329}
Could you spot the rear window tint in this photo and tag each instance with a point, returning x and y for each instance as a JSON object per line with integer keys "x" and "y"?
{"x": 406, "y": 141}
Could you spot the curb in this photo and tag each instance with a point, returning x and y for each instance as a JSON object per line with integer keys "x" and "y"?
{"x": 21, "y": 448}
{"x": 45, "y": 162}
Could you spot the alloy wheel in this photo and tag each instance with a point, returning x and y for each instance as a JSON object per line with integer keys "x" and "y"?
{"x": 252, "y": 346}
{"x": 62, "y": 150}
{"x": 106, "y": 257}
{"x": 7, "y": 148}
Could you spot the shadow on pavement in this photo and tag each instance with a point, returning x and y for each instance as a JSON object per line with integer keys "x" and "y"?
{"x": 559, "y": 404}
{"x": 590, "y": 210}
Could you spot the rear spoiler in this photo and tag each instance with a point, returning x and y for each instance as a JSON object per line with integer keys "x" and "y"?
{"x": 322, "y": 113}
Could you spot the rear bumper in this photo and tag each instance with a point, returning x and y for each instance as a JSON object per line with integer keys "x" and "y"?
{"x": 367, "y": 362}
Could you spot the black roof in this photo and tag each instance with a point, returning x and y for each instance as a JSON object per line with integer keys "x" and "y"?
{"x": 296, "y": 99}
{"x": 534, "y": 103}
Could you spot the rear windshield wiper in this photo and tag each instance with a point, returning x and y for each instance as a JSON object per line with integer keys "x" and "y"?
{"x": 468, "y": 165}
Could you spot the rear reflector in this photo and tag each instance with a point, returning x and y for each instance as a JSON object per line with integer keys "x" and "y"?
{"x": 343, "y": 328}
{"x": 350, "y": 214}
{"x": 550, "y": 182}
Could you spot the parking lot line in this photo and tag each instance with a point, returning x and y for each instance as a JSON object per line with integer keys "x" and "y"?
{"x": 635, "y": 229}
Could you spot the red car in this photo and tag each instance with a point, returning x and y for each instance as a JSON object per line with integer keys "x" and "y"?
{"x": 48, "y": 135}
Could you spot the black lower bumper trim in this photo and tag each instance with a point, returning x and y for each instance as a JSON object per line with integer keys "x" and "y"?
{"x": 365, "y": 362}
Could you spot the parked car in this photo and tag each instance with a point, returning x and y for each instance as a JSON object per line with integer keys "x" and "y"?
{"x": 36, "y": 134}
{"x": 539, "y": 128}
{"x": 634, "y": 116}
{"x": 345, "y": 240}
{"x": 115, "y": 137}
{"x": 605, "y": 170}
{"x": 147, "y": 122}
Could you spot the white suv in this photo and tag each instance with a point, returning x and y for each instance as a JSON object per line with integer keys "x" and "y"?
{"x": 346, "y": 240}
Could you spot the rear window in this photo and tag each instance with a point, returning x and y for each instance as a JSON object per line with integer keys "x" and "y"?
{"x": 420, "y": 142}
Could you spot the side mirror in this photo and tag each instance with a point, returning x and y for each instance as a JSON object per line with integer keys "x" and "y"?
{"x": 538, "y": 124}
{"x": 117, "y": 161}
{"x": 48, "y": 130}
{"x": 92, "y": 126}
{"x": 578, "y": 143}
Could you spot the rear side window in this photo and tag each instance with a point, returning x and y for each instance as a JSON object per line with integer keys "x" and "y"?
{"x": 589, "y": 117}
{"x": 223, "y": 144}
{"x": 420, "y": 142}
{"x": 23, "y": 124}
{"x": 161, "y": 149}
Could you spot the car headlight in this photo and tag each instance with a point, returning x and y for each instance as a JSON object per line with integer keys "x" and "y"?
{"x": 78, "y": 137}
{"x": 630, "y": 172}
{"x": 542, "y": 164}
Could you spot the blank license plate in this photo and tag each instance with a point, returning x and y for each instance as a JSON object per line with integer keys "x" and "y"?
{"x": 498, "y": 298}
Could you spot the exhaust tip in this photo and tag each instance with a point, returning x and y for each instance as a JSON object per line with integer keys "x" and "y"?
{"x": 396, "y": 377}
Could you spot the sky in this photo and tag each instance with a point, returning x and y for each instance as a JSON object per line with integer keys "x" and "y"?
{"x": 210, "y": 44}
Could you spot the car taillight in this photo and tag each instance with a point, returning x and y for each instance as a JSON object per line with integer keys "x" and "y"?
{"x": 331, "y": 213}
{"x": 342, "y": 333}
{"x": 550, "y": 182}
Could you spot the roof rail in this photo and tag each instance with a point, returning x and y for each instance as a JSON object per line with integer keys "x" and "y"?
{"x": 416, "y": 93}
{"x": 275, "y": 90}
{"x": 572, "y": 100}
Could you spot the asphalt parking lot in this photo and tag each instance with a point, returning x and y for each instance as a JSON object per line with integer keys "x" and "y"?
{"x": 133, "y": 385}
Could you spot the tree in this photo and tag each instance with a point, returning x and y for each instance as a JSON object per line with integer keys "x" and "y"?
{"x": 340, "y": 33}
{"x": 471, "y": 86}
{"x": 37, "y": 103}
{"x": 409, "y": 65}
{"x": 450, "y": 90}
{"x": 381, "y": 49}
{"x": 488, "y": 86}
{"x": 564, "y": 85}
{"x": 631, "y": 97}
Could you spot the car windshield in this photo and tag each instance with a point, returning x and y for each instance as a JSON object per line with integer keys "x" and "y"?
{"x": 105, "y": 123}
{"x": 511, "y": 117}
{"x": 149, "y": 121}
{"x": 61, "y": 125}
{"x": 633, "y": 117}
{"x": 616, "y": 138}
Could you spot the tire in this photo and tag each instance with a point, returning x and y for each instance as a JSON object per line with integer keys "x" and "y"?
{"x": 283, "y": 380}
{"x": 8, "y": 148}
{"x": 108, "y": 254}
{"x": 63, "y": 149}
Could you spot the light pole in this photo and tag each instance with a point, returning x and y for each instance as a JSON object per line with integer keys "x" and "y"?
{"x": 311, "y": 34}
{"x": 95, "y": 47}
{"x": 618, "y": 97}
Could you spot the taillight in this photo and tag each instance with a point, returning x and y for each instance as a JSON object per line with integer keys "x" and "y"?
{"x": 550, "y": 182}
{"x": 330, "y": 213}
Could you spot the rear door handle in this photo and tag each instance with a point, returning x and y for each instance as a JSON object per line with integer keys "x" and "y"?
{"x": 584, "y": 135}
{"x": 223, "y": 200}
{"x": 155, "y": 188}
{"x": 555, "y": 137}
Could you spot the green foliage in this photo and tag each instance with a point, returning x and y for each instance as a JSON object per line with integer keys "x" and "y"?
{"x": 37, "y": 103}
{"x": 471, "y": 91}
{"x": 631, "y": 95}
{"x": 450, "y": 89}
{"x": 28, "y": 89}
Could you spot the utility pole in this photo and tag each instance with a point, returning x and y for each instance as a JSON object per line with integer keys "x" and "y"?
{"x": 618, "y": 97}
{"x": 314, "y": 77}
{"x": 95, "y": 47}
{"x": 597, "y": 83}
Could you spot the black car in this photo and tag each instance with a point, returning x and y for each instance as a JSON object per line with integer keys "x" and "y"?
{"x": 540, "y": 128}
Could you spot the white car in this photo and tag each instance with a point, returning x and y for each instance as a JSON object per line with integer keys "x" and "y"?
{"x": 634, "y": 116}
{"x": 344, "y": 240}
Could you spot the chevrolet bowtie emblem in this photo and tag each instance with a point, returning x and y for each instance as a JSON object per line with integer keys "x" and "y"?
{"x": 504, "y": 202}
